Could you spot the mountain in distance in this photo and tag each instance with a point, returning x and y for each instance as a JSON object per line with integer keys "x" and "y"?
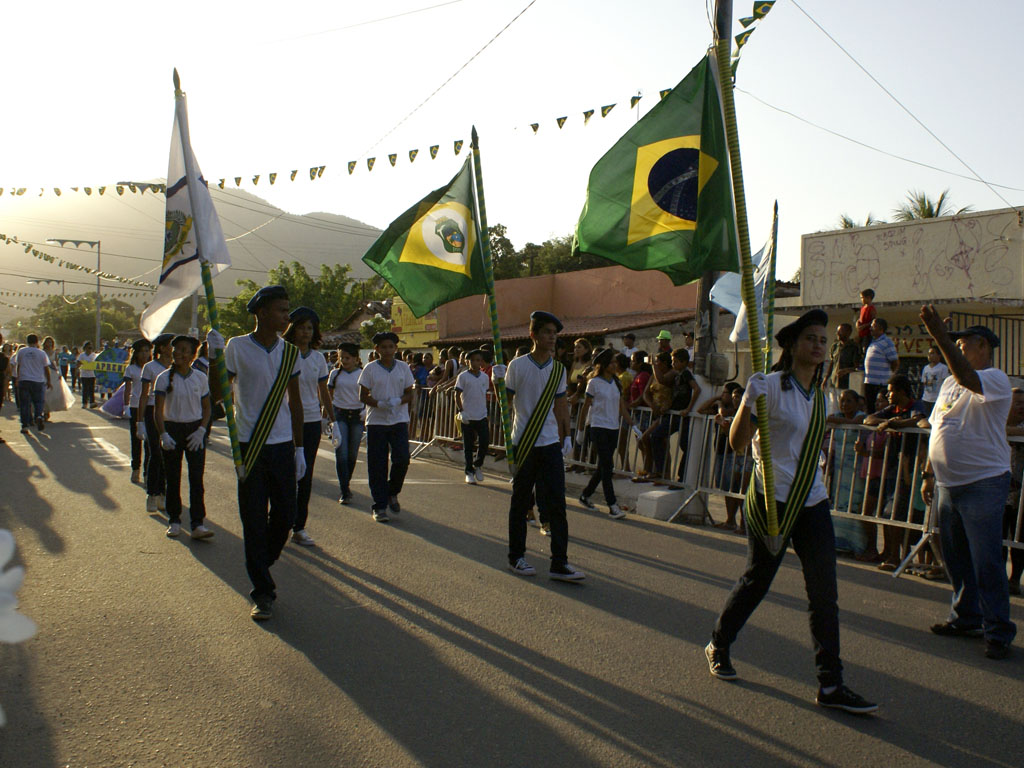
{"x": 131, "y": 227}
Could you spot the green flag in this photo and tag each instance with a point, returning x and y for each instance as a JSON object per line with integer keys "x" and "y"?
{"x": 661, "y": 197}
{"x": 432, "y": 254}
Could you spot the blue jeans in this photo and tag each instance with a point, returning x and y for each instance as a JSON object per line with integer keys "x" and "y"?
{"x": 350, "y": 432}
{"x": 31, "y": 397}
{"x": 971, "y": 526}
{"x": 381, "y": 440}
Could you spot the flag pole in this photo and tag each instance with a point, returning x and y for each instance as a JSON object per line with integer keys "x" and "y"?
{"x": 723, "y": 40}
{"x": 204, "y": 266}
{"x": 492, "y": 302}
{"x": 768, "y": 297}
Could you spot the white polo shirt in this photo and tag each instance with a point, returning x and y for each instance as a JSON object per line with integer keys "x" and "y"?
{"x": 473, "y": 387}
{"x": 184, "y": 403}
{"x": 345, "y": 389}
{"x": 32, "y": 363}
{"x": 254, "y": 368}
{"x": 526, "y": 379}
{"x": 789, "y": 415}
{"x": 385, "y": 383}
{"x": 133, "y": 373}
{"x": 604, "y": 396}
{"x": 312, "y": 370}
{"x": 968, "y": 440}
{"x": 150, "y": 371}
{"x": 86, "y": 357}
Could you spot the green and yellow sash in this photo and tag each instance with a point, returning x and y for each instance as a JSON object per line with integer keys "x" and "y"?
{"x": 536, "y": 421}
{"x": 272, "y": 405}
{"x": 803, "y": 479}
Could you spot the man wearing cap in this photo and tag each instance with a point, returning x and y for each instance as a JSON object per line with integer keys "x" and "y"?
{"x": 968, "y": 473}
{"x": 263, "y": 368}
{"x": 385, "y": 387}
{"x": 664, "y": 342}
{"x": 629, "y": 345}
{"x": 536, "y": 388}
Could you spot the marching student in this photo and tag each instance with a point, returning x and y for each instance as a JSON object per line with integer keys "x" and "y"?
{"x": 182, "y": 415}
{"x": 385, "y": 385}
{"x": 33, "y": 366}
{"x": 607, "y": 410}
{"x": 263, "y": 367}
{"x": 146, "y": 430}
{"x": 141, "y": 354}
{"x": 304, "y": 332}
{"x": 87, "y": 376}
{"x": 536, "y": 389}
{"x": 796, "y": 415}
{"x": 471, "y": 387}
{"x": 343, "y": 384}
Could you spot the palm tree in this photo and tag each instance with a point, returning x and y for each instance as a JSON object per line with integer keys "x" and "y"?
{"x": 846, "y": 221}
{"x": 919, "y": 206}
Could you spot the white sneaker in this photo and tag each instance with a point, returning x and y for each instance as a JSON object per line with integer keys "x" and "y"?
{"x": 201, "y": 532}
{"x": 151, "y": 504}
{"x": 173, "y": 530}
{"x": 470, "y": 478}
{"x": 479, "y": 475}
{"x": 522, "y": 568}
{"x": 303, "y": 538}
{"x": 161, "y": 503}
{"x": 614, "y": 512}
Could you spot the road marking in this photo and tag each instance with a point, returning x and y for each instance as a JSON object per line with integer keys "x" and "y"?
{"x": 108, "y": 453}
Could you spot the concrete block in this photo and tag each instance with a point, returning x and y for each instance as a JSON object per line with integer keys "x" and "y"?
{"x": 661, "y": 505}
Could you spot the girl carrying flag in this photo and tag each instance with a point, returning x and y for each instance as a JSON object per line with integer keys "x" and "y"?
{"x": 343, "y": 386}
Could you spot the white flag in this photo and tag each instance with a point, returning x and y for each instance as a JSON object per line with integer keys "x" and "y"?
{"x": 186, "y": 218}
{"x": 727, "y": 292}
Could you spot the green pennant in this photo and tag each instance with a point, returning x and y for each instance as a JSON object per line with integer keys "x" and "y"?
{"x": 742, "y": 37}
{"x": 665, "y": 93}
{"x": 587, "y": 115}
{"x": 294, "y": 174}
{"x": 606, "y": 109}
{"x": 393, "y": 158}
{"x": 561, "y": 121}
{"x": 762, "y": 8}
{"x": 433, "y": 150}
{"x": 535, "y": 126}
{"x": 412, "y": 155}
{"x": 369, "y": 163}
{"x": 661, "y": 197}
{"x": 352, "y": 166}
{"x": 458, "y": 147}
{"x": 746, "y": 21}
{"x": 634, "y": 100}
{"x": 273, "y": 178}
{"x": 432, "y": 253}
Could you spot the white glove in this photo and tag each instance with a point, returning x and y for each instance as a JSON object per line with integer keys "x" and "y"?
{"x": 140, "y": 429}
{"x": 637, "y": 431}
{"x": 757, "y": 385}
{"x": 215, "y": 341}
{"x": 567, "y": 446}
{"x": 393, "y": 403}
{"x": 498, "y": 371}
{"x": 167, "y": 442}
{"x": 127, "y": 412}
{"x": 580, "y": 435}
{"x": 300, "y": 464}
{"x": 335, "y": 435}
{"x": 195, "y": 440}
{"x": 458, "y": 416}
{"x": 325, "y": 424}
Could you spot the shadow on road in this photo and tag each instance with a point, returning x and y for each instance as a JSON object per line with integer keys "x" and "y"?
{"x": 21, "y": 504}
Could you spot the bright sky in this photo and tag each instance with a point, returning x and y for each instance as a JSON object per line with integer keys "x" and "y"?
{"x": 275, "y": 86}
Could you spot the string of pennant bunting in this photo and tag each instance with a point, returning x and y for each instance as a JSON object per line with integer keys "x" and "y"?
{"x": 31, "y": 295}
{"x": 761, "y": 9}
{"x": 16, "y": 306}
{"x": 43, "y": 256}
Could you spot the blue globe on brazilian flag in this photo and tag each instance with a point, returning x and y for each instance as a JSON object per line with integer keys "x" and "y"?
{"x": 432, "y": 253}
{"x": 661, "y": 197}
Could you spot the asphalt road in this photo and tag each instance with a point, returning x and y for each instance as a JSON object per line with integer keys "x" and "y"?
{"x": 411, "y": 644}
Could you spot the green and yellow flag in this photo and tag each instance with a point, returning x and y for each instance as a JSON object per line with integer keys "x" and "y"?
{"x": 432, "y": 253}
{"x": 661, "y": 198}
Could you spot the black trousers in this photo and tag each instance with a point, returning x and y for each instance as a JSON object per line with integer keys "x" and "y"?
{"x": 156, "y": 482}
{"x": 311, "y": 433}
{"x": 606, "y": 441}
{"x": 88, "y": 390}
{"x": 138, "y": 446}
{"x": 382, "y": 440}
{"x": 196, "y": 460}
{"x": 543, "y": 469}
{"x": 475, "y": 436}
{"x": 813, "y": 538}
{"x": 265, "y": 531}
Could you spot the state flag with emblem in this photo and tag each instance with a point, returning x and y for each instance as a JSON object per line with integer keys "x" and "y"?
{"x": 432, "y": 253}
{"x": 661, "y": 197}
{"x": 180, "y": 274}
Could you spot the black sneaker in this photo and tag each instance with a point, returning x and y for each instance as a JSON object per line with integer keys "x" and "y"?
{"x": 845, "y": 699}
{"x": 41, "y": 424}
{"x": 381, "y": 516}
{"x": 394, "y": 506}
{"x": 586, "y": 502}
{"x": 949, "y": 629}
{"x": 262, "y": 610}
{"x": 565, "y": 572}
{"x": 996, "y": 650}
{"x": 718, "y": 662}
{"x": 346, "y": 498}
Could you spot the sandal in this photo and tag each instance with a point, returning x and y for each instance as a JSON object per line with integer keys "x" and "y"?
{"x": 935, "y": 573}
{"x": 641, "y": 477}
{"x": 888, "y": 567}
{"x": 724, "y": 526}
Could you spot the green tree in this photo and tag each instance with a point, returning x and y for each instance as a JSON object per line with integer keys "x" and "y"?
{"x": 72, "y": 319}
{"x": 917, "y": 205}
{"x": 556, "y": 255}
{"x": 372, "y": 326}
{"x": 847, "y": 222}
{"x": 506, "y": 260}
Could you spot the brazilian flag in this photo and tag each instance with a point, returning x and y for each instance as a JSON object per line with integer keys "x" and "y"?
{"x": 432, "y": 253}
{"x": 661, "y": 198}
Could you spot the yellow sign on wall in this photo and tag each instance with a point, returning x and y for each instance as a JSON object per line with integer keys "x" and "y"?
{"x": 413, "y": 332}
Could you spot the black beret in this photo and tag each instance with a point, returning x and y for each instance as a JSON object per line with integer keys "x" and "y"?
{"x": 265, "y": 294}
{"x": 163, "y": 338}
{"x": 604, "y": 357}
{"x": 352, "y": 349}
{"x": 545, "y": 317}
{"x": 385, "y": 336}
{"x": 789, "y": 333}
{"x": 977, "y": 330}
{"x": 301, "y": 314}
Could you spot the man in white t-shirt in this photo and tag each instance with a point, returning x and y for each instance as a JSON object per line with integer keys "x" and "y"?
{"x": 33, "y": 366}
{"x": 471, "y": 387}
{"x": 968, "y": 471}
{"x": 385, "y": 386}
{"x": 539, "y": 464}
{"x": 254, "y": 363}
{"x": 629, "y": 345}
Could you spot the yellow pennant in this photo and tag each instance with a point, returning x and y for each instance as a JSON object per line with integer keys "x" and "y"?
{"x": 88, "y": 190}
{"x": 102, "y": 190}
{"x": 665, "y": 92}
{"x": 587, "y": 115}
{"x": 634, "y": 100}
{"x": 393, "y": 159}
{"x": 369, "y": 163}
{"x": 56, "y": 191}
{"x": 351, "y": 166}
{"x": 120, "y": 189}
{"x": 312, "y": 173}
{"x": 458, "y": 146}
{"x": 273, "y": 178}
{"x": 535, "y": 126}
{"x": 561, "y": 121}
{"x": 433, "y": 150}
{"x": 238, "y": 181}
{"x": 255, "y": 179}
{"x": 219, "y": 184}
{"x": 293, "y": 175}
{"x": 606, "y": 109}
{"x": 320, "y": 171}
{"x": 412, "y": 155}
